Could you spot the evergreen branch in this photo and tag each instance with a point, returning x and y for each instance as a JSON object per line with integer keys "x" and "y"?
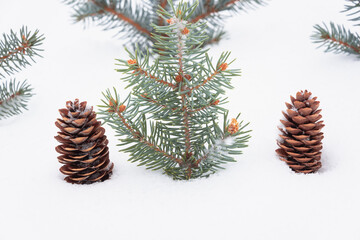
{"x": 183, "y": 118}
{"x": 353, "y": 8}
{"x": 13, "y": 98}
{"x": 16, "y": 50}
{"x": 122, "y": 17}
{"x": 210, "y": 8}
{"x": 337, "y": 39}
{"x": 119, "y": 14}
{"x": 134, "y": 133}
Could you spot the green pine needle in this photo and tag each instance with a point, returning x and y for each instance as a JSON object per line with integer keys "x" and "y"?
{"x": 14, "y": 97}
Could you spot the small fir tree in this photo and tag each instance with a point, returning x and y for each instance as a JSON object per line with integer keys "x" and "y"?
{"x": 134, "y": 21}
{"x": 16, "y": 52}
{"x": 170, "y": 120}
{"x": 336, "y": 38}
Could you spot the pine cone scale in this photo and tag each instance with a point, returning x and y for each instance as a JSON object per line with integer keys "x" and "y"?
{"x": 301, "y": 136}
{"x": 87, "y": 131}
{"x": 83, "y": 148}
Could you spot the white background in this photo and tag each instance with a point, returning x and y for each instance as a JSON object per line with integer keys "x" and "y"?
{"x": 258, "y": 197}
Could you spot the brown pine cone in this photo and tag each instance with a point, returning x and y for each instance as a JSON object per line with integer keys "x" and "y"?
{"x": 300, "y": 142}
{"x": 83, "y": 146}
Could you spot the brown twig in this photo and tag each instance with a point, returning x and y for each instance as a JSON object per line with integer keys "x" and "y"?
{"x": 183, "y": 101}
{"x": 185, "y": 108}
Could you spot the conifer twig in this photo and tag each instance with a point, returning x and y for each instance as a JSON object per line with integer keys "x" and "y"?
{"x": 222, "y": 6}
{"x": 17, "y": 50}
{"x": 122, "y": 17}
{"x": 174, "y": 131}
{"x": 336, "y": 38}
{"x": 212, "y": 10}
{"x": 13, "y": 98}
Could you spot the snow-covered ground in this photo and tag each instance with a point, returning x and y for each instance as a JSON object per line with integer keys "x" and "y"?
{"x": 257, "y": 198}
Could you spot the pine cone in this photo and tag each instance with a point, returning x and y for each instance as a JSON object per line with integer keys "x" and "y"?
{"x": 83, "y": 145}
{"x": 301, "y": 138}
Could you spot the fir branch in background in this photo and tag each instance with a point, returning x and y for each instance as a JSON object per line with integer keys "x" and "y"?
{"x": 211, "y": 8}
{"x": 337, "y": 38}
{"x": 170, "y": 121}
{"x": 130, "y": 21}
{"x": 16, "y": 52}
{"x": 13, "y": 98}
{"x": 353, "y": 10}
{"x": 134, "y": 22}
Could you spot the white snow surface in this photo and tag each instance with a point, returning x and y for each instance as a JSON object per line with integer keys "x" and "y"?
{"x": 257, "y": 198}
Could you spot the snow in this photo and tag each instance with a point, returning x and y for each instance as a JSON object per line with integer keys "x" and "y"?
{"x": 257, "y": 198}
